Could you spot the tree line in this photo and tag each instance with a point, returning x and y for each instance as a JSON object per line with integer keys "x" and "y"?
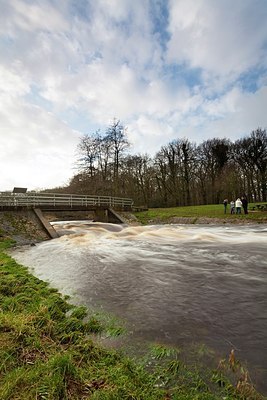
{"x": 181, "y": 172}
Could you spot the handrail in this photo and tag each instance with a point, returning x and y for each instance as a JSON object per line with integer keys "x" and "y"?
{"x": 59, "y": 199}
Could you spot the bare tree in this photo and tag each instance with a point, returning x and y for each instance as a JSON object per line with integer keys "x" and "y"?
{"x": 138, "y": 178}
{"x": 250, "y": 154}
{"x": 117, "y": 138}
{"x": 179, "y": 174}
{"x": 88, "y": 152}
{"x": 213, "y": 156}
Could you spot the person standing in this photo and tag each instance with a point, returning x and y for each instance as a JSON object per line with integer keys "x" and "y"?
{"x": 225, "y": 202}
{"x": 238, "y": 205}
{"x": 232, "y": 207}
{"x": 245, "y": 204}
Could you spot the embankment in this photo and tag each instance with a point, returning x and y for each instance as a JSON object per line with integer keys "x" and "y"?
{"x": 23, "y": 226}
{"x": 48, "y": 351}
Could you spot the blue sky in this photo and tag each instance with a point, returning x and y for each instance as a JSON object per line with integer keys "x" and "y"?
{"x": 166, "y": 69}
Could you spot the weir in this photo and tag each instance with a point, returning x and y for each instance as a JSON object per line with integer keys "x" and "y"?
{"x": 35, "y": 224}
{"x": 32, "y": 212}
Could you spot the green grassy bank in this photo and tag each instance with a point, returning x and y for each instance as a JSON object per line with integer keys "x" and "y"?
{"x": 47, "y": 352}
{"x": 198, "y": 214}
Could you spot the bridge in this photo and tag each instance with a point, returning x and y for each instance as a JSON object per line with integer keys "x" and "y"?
{"x": 48, "y": 201}
{"x": 40, "y": 208}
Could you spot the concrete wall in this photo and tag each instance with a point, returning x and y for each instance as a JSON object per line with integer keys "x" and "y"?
{"x": 99, "y": 215}
{"x": 23, "y": 226}
{"x": 27, "y": 225}
{"x": 68, "y": 215}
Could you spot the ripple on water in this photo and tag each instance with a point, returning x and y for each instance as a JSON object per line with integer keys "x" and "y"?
{"x": 172, "y": 283}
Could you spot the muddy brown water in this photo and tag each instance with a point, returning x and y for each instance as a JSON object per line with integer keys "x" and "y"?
{"x": 177, "y": 284}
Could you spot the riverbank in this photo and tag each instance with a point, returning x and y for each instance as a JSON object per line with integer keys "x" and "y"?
{"x": 22, "y": 226}
{"x": 207, "y": 214}
{"x": 48, "y": 351}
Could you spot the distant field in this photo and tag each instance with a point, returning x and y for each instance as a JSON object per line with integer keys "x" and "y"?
{"x": 207, "y": 211}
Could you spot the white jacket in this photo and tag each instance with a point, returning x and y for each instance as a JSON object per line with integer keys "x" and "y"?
{"x": 238, "y": 203}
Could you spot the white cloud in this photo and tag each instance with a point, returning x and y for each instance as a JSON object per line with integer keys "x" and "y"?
{"x": 13, "y": 82}
{"x": 36, "y": 148}
{"x": 105, "y": 59}
{"x": 233, "y": 115}
{"x": 30, "y": 16}
{"x": 224, "y": 38}
{"x": 147, "y": 135}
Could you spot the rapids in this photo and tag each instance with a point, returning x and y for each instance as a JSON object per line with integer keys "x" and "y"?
{"x": 178, "y": 284}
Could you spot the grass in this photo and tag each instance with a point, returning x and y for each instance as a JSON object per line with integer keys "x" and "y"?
{"x": 47, "y": 352}
{"x": 165, "y": 215}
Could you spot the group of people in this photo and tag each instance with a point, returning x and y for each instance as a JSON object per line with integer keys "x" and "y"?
{"x": 236, "y": 206}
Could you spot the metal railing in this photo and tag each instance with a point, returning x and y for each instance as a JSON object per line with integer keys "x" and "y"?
{"x": 32, "y": 199}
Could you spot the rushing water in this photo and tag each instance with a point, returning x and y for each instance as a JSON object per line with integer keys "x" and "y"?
{"x": 171, "y": 283}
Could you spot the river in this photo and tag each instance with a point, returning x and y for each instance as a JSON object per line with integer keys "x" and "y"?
{"x": 177, "y": 284}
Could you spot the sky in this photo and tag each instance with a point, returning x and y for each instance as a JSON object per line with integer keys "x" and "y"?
{"x": 167, "y": 69}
